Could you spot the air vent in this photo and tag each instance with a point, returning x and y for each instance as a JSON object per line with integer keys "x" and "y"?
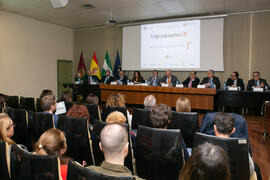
{"x": 87, "y": 6}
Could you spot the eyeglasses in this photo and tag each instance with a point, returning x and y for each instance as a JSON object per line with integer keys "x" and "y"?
{"x": 12, "y": 125}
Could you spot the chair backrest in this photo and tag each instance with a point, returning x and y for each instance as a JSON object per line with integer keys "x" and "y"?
{"x": 94, "y": 112}
{"x": 38, "y": 106}
{"x": 158, "y": 153}
{"x": 42, "y": 121}
{"x": 188, "y": 123}
{"x": 26, "y": 165}
{"x": 68, "y": 105}
{"x": 77, "y": 172}
{"x": 13, "y": 102}
{"x": 4, "y": 161}
{"x": 78, "y": 138}
{"x": 27, "y": 103}
{"x": 107, "y": 110}
{"x": 237, "y": 150}
{"x": 141, "y": 117}
{"x": 21, "y": 131}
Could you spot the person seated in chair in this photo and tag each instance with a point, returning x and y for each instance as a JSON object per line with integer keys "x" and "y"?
{"x": 6, "y": 128}
{"x": 79, "y": 111}
{"x": 211, "y": 81}
{"x": 235, "y": 81}
{"x": 45, "y": 92}
{"x": 92, "y": 99}
{"x": 114, "y": 145}
{"x": 66, "y": 97}
{"x": 92, "y": 77}
{"x": 3, "y": 100}
{"x": 155, "y": 80}
{"x": 122, "y": 78}
{"x": 160, "y": 116}
{"x": 107, "y": 79}
{"x": 183, "y": 105}
{"x": 192, "y": 81}
{"x": 137, "y": 77}
{"x": 169, "y": 79}
{"x": 48, "y": 105}
{"x": 257, "y": 81}
{"x": 149, "y": 101}
{"x": 224, "y": 128}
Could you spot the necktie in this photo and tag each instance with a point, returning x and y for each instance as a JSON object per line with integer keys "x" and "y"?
{"x": 258, "y": 83}
{"x": 106, "y": 80}
{"x": 190, "y": 84}
{"x": 169, "y": 81}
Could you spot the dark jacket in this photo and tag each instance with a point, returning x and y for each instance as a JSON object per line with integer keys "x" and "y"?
{"x": 240, "y": 83}
{"x": 195, "y": 82}
{"x": 111, "y": 79}
{"x": 215, "y": 81}
{"x": 124, "y": 80}
{"x": 174, "y": 79}
{"x": 253, "y": 83}
{"x": 94, "y": 78}
{"x": 158, "y": 80}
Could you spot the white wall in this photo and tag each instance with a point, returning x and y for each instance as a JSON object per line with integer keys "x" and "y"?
{"x": 29, "y": 50}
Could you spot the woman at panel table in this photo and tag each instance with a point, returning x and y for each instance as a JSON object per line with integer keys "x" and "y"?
{"x": 137, "y": 78}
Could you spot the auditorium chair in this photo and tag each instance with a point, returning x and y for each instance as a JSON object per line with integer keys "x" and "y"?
{"x": 27, "y": 103}
{"x": 2, "y": 109}
{"x": 141, "y": 117}
{"x": 79, "y": 142}
{"x": 188, "y": 123}
{"x": 98, "y": 154}
{"x": 26, "y": 165}
{"x": 40, "y": 123}
{"x": 158, "y": 153}
{"x": 107, "y": 110}
{"x": 5, "y": 172}
{"x": 13, "y": 102}
{"x": 21, "y": 131}
{"x": 237, "y": 150}
{"x": 38, "y": 107}
{"x": 68, "y": 105}
{"x": 78, "y": 172}
{"x": 94, "y": 112}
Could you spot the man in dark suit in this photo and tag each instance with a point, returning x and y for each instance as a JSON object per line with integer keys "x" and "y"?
{"x": 235, "y": 81}
{"x": 211, "y": 81}
{"x": 170, "y": 79}
{"x": 257, "y": 81}
{"x": 122, "y": 79}
{"x": 107, "y": 79}
{"x": 155, "y": 79}
{"x": 192, "y": 81}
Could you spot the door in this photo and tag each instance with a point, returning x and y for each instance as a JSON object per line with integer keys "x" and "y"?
{"x": 64, "y": 75}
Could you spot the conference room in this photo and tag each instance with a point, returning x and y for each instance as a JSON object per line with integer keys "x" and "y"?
{"x": 134, "y": 89}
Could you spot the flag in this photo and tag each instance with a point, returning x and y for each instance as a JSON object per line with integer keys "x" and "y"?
{"x": 94, "y": 68}
{"x": 106, "y": 65}
{"x": 81, "y": 66}
{"x": 117, "y": 65}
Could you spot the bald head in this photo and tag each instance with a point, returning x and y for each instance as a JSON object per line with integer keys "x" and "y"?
{"x": 113, "y": 139}
{"x": 149, "y": 101}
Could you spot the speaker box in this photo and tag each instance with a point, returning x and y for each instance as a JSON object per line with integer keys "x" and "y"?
{"x": 59, "y": 3}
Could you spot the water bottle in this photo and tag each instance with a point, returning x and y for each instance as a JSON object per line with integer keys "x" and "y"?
{"x": 224, "y": 86}
{"x": 127, "y": 81}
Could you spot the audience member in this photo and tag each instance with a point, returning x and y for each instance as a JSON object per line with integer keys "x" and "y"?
{"x": 149, "y": 101}
{"x": 66, "y": 96}
{"x": 137, "y": 78}
{"x": 211, "y": 81}
{"x": 3, "y": 100}
{"x": 235, "y": 81}
{"x": 6, "y": 128}
{"x": 116, "y": 117}
{"x": 45, "y": 92}
{"x": 79, "y": 111}
{"x": 122, "y": 78}
{"x": 53, "y": 143}
{"x": 48, "y": 105}
{"x": 183, "y": 105}
{"x": 114, "y": 145}
{"x": 170, "y": 79}
{"x": 257, "y": 81}
{"x": 192, "y": 81}
{"x": 154, "y": 80}
{"x": 207, "y": 162}
{"x": 92, "y": 99}
{"x": 107, "y": 79}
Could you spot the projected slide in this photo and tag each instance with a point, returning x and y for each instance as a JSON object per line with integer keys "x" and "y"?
{"x": 171, "y": 45}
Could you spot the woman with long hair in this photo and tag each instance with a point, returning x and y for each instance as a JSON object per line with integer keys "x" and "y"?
{"x": 137, "y": 78}
{"x": 6, "y": 128}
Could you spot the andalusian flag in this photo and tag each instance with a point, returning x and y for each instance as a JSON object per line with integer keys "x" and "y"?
{"x": 94, "y": 68}
{"x": 107, "y": 65}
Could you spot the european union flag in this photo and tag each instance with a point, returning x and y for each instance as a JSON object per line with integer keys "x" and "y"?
{"x": 117, "y": 65}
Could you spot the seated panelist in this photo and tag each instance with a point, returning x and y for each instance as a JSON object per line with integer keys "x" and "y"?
{"x": 154, "y": 80}
{"x": 235, "y": 81}
{"x": 122, "y": 78}
{"x": 169, "y": 78}
{"x": 107, "y": 79}
{"x": 257, "y": 81}
{"x": 192, "y": 81}
{"x": 211, "y": 81}
{"x": 92, "y": 77}
{"x": 137, "y": 78}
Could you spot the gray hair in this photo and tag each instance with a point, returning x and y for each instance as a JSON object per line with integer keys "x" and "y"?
{"x": 149, "y": 101}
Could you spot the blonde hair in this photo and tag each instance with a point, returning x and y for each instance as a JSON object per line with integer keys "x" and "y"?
{"x": 5, "y": 123}
{"x": 183, "y": 105}
{"x": 116, "y": 100}
{"x": 116, "y": 117}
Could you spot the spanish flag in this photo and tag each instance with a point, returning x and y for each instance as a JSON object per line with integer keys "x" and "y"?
{"x": 94, "y": 68}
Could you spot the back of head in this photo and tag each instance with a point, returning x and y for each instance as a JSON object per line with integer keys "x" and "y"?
{"x": 3, "y": 99}
{"x": 78, "y": 111}
{"x": 149, "y": 101}
{"x": 45, "y": 92}
{"x": 92, "y": 99}
{"x": 66, "y": 96}
{"x": 183, "y": 105}
{"x": 116, "y": 100}
{"x": 46, "y": 102}
{"x": 161, "y": 116}
{"x": 5, "y": 124}
{"x": 206, "y": 162}
{"x": 116, "y": 117}
{"x": 224, "y": 123}
{"x": 113, "y": 139}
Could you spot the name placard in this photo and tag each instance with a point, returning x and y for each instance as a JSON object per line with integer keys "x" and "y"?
{"x": 164, "y": 85}
{"x": 113, "y": 83}
{"x": 201, "y": 86}
{"x": 179, "y": 85}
